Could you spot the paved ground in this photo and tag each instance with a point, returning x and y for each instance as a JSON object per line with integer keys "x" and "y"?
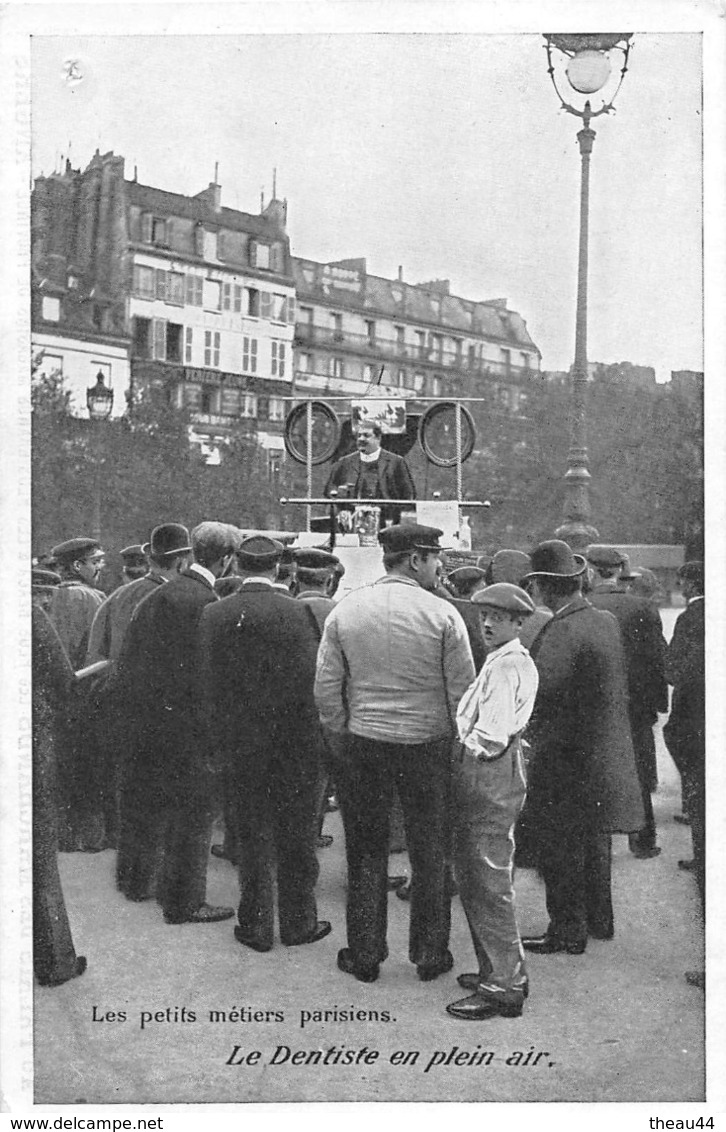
{"x": 617, "y": 1024}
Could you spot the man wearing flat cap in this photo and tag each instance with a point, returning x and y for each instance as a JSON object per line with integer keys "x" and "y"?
{"x": 644, "y": 648}
{"x": 583, "y": 784}
{"x": 80, "y": 779}
{"x": 511, "y": 566}
{"x": 489, "y": 788}
{"x": 257, "y": 664}
{"x": 393, "y": 664}
{"x": 169, "y": 551}
{"x": 135, "y": 562}
{"x": 168, "y": 794}
{"x": 460, "y": 585}
{"x": 685, "y": 731}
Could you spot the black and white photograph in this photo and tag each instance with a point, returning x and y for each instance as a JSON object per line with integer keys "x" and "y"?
{"x": 363, "y": 388}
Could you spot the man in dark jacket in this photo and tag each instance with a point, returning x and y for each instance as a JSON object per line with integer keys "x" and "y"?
{"x": 644, "y": 647}
{"x": 257, "y": 655}
{"x": 685, "y": 731}
{"x": 583, "y": 783}
{"x": 372, "y": 473}
{"x": 168, "y": 796}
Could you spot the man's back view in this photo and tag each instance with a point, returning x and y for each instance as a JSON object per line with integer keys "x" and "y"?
{"x": 393, "y": 664}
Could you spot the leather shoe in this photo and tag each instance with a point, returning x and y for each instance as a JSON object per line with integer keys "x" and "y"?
{"x": 325, "y": 841}
{"x": 403, "y": 891}
{"x": 479, "y": 1007}
{"x": 253, "y": 943}
{"x": 646, "y": 854}
{"x": 427, "y": 972}
{"x": 696, "y": 979}
{"x": 205, "y": 914}
{"x": 321, "y": 929}
{"x": 397, "y": 882}
{"x": 78, "y": 968}
{"x": 219, "y": 851}
{"x": 364, "y": 973}
{"x": 687, "y": 866}
{"x": 550, "y": 944}
{"x": 470, "y": 981}
{"x": 601, "y": 933}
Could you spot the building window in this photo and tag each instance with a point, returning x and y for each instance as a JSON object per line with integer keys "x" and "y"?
{"x": 336, "y": 367}
{"x": 369, "y": 372}
{"x": 141, "y": 337}
{"x": 144, "y": 282}
{"x": 437, "y": 345}
{"x": 51, "y": 309}
{"x": 265, "y": 304}
{"x": 226, "y": 296}
{"x": 160, "y": 339}
{"x": 158, "y": 230}
{"x": 421, "y": 351}
{"x": 195, "y": 290}
{"x": 277, "y": 367}
{"x": 305, "y": 363}
{"x": 504, "y": 397}
{"x": 277, "y": 307}
{"x": 175, "y": 288}
{"x": 212, "y": 295}
{"x": 259, "y": 254}
{"x": 523, "y": 400}
{"x": 160, "y": 284}
{"x": 306, "y": 315}
{"x": 229, "y": 401}
{"x": 400, "y": 339}
{"x": 401, "y": 378}
{"x": 506, "y": 356}
{"x": 436, "y": 386}
{"x": 253, "y": 302}
{"x": 276, "y": 411}
{"x": 174, "y": 333}
{"x": 371, "y": 332}
{"x": 337, "y": 323}
{"x": 457, "y": 351}
{"x": 248, "y": 405}
{"x": 237, "y": 298}
{"x": 418, "y": 382}
{"x": 209, "y": 399}
{"x": 192, "y": 396}
{"x": 211, "y": 348}
{"x": 249, "y": 355}
{"x": 472, "y": 356}
{"x": 188, "y": 339}
{"x": 291, "y": 309}
{"x": 525, "y": 360}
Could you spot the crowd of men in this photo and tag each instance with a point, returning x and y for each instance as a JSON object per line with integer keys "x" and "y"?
{"x": 510, "y": 703}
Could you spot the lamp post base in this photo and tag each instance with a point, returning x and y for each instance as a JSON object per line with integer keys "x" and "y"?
{"x": 577, "y": 534}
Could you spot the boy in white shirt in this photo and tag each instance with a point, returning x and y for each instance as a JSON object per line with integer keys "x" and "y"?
{"x": 489, "y": 790}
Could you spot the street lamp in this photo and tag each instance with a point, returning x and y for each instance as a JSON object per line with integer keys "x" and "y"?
{"x": 99, "y": 401}
{"x": 584, "y": 63}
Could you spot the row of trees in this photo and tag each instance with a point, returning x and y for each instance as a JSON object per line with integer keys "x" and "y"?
{"x": 646, "y": 460}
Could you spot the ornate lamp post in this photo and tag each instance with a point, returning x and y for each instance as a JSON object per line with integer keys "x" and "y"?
{"x": 99, "y": 401}
{"x": 584, "y": 63}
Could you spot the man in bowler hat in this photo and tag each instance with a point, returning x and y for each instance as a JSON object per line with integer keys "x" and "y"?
{"x": 257, "y": 654}
{"x": 393, "y": 664}
{"x": 583, "y": 784}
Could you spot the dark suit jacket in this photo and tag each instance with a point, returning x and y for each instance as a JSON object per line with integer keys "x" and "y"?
{"x": 644, "y": 647}
{"x": 579, "y": 728}
{"x": 685, "y": 731}
{"x": 257, "y": 653}
{"x": 157, "y": 684}
{"x": 393, "y": 475}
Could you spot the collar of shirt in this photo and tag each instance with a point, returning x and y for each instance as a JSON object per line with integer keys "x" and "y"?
{"x": 258, "y": 580}
{"x": 508, "y": 646}
{"x": 370, "y": 457}
{"x": 208, "y": 576}
{"x": 387, "y": 579}
{"x": 698, "y": 597}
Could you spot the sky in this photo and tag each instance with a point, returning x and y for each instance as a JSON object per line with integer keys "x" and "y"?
{"x": 444, "y": 154}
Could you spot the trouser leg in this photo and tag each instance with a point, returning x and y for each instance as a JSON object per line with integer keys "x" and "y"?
{"x": 365, "y": 793}
{"x": 698, "y": 833}
{"x": 295, "y": 828}
{"x": 54, "y": 956}
{"x": 187, "y": 837}
{"x": 562, "y": 863}
{"x": 256, "y": 849}
{"x": 489, "y": 798}
{"x": 422, "y": 776}
{"x": 598, "y": 888}
{"x": 139, "y": 840}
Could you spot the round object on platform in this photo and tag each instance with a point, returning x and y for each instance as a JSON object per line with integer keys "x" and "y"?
{"x": 325, "y": 432}
{"x": 437, "y": 434}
